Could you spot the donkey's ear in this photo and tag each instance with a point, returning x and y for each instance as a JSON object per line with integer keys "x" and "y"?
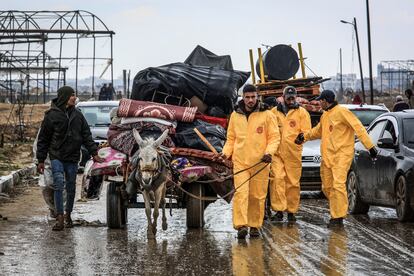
{"x": 137, "y": 137}
{"x": 161, "y": 139}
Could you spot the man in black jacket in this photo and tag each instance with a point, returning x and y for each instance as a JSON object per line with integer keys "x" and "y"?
{"x": 63, "y": 131}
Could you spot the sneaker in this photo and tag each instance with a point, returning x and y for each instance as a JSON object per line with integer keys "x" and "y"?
{"x": 254, "y": 232}
{"x": 336, "y": 222}
{"x": 278, "y": 216}
{"x": 291, "y": 217}
{"x": 242, "y": 232}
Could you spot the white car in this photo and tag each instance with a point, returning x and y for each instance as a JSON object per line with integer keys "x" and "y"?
{"x": 311, "y": 156}
{"x": 96, "y": 114}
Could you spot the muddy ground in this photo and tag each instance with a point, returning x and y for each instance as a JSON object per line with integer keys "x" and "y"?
{"x": 17, "y": 135}
{"x": 375, "y": 244}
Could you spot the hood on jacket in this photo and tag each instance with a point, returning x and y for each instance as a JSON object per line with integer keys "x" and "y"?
{"x": 260, "y": 106}
{"x": 64, "y": 93}
{"x": 282, "y": 107}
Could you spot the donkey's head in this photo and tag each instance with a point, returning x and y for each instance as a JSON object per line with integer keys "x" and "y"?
{"x": 149, "y": 164}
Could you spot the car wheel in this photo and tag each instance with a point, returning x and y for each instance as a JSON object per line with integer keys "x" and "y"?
{"x": 355, "y": 203}
{"x": 403, "y": 208}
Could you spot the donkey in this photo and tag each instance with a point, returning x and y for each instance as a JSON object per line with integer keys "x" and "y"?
{"x": 152, "y": 174}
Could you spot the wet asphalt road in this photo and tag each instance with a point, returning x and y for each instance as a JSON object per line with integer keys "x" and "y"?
{"x": 376, "y": 244}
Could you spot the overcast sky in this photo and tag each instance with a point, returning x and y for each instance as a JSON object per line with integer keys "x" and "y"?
{"x": 153, "y": 33}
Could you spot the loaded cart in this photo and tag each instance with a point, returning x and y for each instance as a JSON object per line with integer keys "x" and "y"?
{"x": 187, "y": 100}
{"x": 195, "y": 179}
{"x": 187, "y": 190}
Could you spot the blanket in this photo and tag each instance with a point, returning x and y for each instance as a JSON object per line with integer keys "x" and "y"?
{"x": 131, "y": 108}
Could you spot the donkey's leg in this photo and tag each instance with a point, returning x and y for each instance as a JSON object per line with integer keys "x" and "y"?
{"x": 164, "y": 218}
{"x": 147, "y": 202}
{"x": 158, "y": 196}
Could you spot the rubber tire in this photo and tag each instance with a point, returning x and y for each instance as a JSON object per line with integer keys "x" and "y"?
{"x": 116, "y": 212}
{"x": 355, "y": 203}
{"x": 195, "y": 207}
{"x": 402, "y": 201}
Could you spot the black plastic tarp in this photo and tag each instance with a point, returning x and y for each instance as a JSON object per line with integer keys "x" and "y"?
{"x": 202, "y": 57}
{"x": 186, "y": 137}
{"x": 214, "y": 86}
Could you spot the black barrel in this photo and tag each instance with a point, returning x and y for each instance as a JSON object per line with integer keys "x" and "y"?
{"x": 281, "y": 62}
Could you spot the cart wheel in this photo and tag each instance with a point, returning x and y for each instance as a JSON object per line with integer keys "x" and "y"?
{"x": 195, "y": 207}
{"x": 116, "y": 211}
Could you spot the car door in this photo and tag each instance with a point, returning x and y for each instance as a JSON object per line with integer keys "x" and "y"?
{"x": 365, "y": 166}
{"x": 386, "y": 165}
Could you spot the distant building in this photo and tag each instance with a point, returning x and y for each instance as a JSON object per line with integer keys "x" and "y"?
{"x": 349, "y": 82}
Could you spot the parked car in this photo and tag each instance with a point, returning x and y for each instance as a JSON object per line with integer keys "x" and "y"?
{"x": 366, "y": 113}
{"x": 389, "y": 180}
{"x": 97, "y": 115}
{"x": 311, "y": 156}
{"x": 311, "y": 160}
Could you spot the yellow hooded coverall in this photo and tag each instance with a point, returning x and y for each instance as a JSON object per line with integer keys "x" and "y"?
{"x": 337, "y": 129}
{"x": 248, "y": 139}
{"x": 287, "y": 164}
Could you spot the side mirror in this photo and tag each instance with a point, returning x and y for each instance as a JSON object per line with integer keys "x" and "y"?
{"x": 386, "y": 143}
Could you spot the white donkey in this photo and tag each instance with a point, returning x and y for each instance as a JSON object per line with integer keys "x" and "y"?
{"x": 152, "y": 174}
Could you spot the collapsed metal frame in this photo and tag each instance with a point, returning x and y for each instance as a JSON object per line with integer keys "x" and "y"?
{"x": 40, "y": 27}
{"x": 399, "y": 68}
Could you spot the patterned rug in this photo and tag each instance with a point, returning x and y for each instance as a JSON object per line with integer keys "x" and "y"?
{"x": 131, "y": 108}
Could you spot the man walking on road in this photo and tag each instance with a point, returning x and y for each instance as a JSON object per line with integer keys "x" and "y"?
{"x": 337, "y": 129}
{"x": 63, "y": 131}
{"x": 287, "y": 163}
{"x": 252, "y": 138}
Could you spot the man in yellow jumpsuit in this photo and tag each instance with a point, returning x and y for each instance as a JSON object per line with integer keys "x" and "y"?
{"x": 252, "y": 136}
{"x": 287, "y": 163}
{"x": 337, "y": 129}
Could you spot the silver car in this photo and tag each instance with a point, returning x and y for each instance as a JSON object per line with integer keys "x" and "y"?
{"x": 97, "y": 115}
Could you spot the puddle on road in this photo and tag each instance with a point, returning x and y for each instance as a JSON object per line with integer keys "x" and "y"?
{"x": 374, "y": 244}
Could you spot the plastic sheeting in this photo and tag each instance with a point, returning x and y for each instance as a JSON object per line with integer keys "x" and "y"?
{"x": 214, "y": 86}
{"x": 202, "y": 57}
{"x": 186, "y": 137}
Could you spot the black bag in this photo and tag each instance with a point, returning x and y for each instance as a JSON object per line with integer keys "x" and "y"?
{"x": 187, "y": 138}
{"x": 202, "y": 57}
{"x": 213, "y": 86}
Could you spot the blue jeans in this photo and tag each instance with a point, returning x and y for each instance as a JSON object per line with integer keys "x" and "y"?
{"x": 64, "y": 176}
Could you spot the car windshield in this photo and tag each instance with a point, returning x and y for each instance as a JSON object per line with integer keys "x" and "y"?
{"x": 366, "y": 116}
{"x": 97, "y": 115}
{"x": 409, "y": 132}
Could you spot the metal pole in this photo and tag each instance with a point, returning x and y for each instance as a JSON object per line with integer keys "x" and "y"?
{"x": 112, "y": 60}
{"x": 44, "y": 72}
{"x": 359, "y": 60}
{"x": 77, "y": 56}
{"x": 371, "y": 83}
{"x": 252, "y": 66}
{"x": 381, "y": 81}
{"x": 340, "y": 70}
{"x": 124, "y": 78}
{"x": 93, "y": 64}
{"x": 129, "y": 78}
{"x": 302, "y": 60}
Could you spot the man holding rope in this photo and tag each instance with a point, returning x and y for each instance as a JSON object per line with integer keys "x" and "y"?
{"x": 252, "y": 139}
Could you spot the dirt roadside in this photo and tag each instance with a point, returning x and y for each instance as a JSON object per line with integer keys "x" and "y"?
{"x": 16, "y": 152}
